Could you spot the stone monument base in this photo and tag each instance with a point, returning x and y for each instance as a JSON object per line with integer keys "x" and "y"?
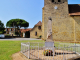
{"x": 50, "y": 46}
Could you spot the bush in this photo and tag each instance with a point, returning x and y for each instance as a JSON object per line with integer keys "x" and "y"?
{"x": 40, "y": 36}
{"x": 2, "y": 32}
{"x": 17, "y": 33}
{"x": 48, "y": 53}
{"x": 7, "y": 34}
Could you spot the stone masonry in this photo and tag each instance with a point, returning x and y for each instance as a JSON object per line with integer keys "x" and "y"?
{"x": 65, "y": 27}
{"x": 36, "y": 32}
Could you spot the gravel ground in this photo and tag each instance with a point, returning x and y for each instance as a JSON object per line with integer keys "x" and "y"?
{"x": 34, "y": 55}
{"x": 19, "y": 56}
{"x": 20, "y": 39}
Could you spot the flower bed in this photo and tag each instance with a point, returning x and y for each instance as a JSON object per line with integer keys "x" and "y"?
{"x": 48, "y": 53}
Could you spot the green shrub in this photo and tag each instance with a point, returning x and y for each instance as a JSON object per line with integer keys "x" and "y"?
{"x": 17, "y": 33}
{"x": 40, "y": 36}
{"x": 7, "y": 34}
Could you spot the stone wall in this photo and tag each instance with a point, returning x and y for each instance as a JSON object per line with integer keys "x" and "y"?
{"x": 77, "y": 27}
{"x": 35, "y": 29}
{"x": 43, "y": 36}
{"x": 64, "y": 26}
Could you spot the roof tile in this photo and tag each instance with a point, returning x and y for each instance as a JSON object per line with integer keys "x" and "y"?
{"x": 74, "y": 9}
{"x": 24, "y": 30}
{"x": 39, "y": 23}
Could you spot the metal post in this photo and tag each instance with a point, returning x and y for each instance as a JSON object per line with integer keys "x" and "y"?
{"x": 63, "y": 53}
{"x": 38, "y": 50}
{"x": 29, "y": 51}
{"x": 21, "y": 47}
{"x": 75, "y": 47}
{"x": 24, "y": 47}
{"x": 53, "y": 52}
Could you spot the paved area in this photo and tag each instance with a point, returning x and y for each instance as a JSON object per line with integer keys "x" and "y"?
{"x": 20, "y": 39}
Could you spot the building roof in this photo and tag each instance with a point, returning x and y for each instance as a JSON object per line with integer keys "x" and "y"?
{"x": 74, "y": 9}
{"x": 39, "y": 23}
{"x": 25, "y": 30}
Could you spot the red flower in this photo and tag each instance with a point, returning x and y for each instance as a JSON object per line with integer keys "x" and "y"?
{"x": 49, "y": 51}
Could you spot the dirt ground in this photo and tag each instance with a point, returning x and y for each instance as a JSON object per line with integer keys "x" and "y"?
{"x": 20, "y": 56}
{"x": 59, "y": 56}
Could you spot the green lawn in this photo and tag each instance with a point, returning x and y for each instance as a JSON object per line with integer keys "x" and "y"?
{"x": 7, "y": 48}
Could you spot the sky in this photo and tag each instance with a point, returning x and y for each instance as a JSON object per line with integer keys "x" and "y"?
{"x": 29, "y": 10}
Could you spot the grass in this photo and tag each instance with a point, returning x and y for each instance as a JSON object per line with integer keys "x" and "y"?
{"x": 68, "y": 46}
{"x": 7, "y": 48}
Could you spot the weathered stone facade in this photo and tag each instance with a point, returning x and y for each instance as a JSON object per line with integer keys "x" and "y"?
{"x": 36, "y": 31}
{"x": 64, "y": 26}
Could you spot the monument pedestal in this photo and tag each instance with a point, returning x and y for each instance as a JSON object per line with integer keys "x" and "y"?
{"x": 50, "y": 46}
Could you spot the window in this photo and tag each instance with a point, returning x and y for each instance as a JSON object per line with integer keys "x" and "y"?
{"x": 52, "y": 0}
{"x": 35, "y": 33}
{"x": 39, "y": 27}
{"x": 59, "y": 0}
{"x": 9, "y": 29}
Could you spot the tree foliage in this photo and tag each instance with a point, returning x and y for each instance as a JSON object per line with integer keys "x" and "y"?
{"x": 1, "y": 28}
{"x": 17, "y": 23}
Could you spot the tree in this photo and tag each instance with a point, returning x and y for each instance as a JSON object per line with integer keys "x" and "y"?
{"x": 18, "y": 23}
{"x": 2, "y": 28}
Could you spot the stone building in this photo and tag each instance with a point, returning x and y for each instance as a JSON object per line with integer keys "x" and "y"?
{"x": 36, "y": 31}
{"x": 25, "y": 32}
{"x": 65, "y": 20}
{"x": 10, "y": 31}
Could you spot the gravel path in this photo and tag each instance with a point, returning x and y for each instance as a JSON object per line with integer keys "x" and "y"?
{"x": 19, "y": 56}
{"x": 34, "y": 55}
